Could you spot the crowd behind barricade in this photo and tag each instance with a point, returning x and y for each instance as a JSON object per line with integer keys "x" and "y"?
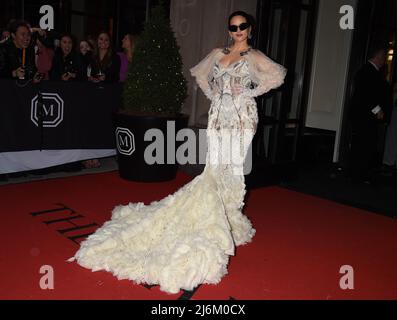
{"x": 32, "y": 54}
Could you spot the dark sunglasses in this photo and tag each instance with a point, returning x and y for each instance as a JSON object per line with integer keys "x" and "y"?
{"x": 242, "y": 27}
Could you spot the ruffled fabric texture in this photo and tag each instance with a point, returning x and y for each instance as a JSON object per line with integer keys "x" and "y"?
{"x": 264, "y": 73}
{"x": 178, "y": 242}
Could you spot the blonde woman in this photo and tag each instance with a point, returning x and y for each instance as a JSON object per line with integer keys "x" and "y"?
{"x": 128, "y": 44}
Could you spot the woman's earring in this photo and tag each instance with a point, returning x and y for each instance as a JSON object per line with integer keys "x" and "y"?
{"x": 226, "y": 50}
{"x": 250, "y": 36}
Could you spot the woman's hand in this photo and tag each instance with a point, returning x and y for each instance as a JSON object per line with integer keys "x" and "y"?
{"x": 96, "y": 79}
{"x": 18, "y": 73}
{"x": 67, "y": 76}
{"x": 38, "y": 77}
{"x": 41, "y": 32}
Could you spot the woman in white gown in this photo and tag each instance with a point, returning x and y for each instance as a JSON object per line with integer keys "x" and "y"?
{"x": 186, "y": 238}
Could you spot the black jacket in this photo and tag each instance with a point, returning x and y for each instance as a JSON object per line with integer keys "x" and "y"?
{"x": 370, "y": 90}
{"x": 112, "y": 71}
{"x": 86, "y": 59}
{"x": 11, "y": 59}
{"x": 71, "y": 63}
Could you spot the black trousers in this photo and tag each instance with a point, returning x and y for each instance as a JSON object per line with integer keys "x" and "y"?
{"x": 364, "y": 153}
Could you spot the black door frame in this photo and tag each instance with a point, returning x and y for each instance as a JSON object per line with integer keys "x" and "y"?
{"x": 291, "y": 15}
{"x": 365, "y": 26}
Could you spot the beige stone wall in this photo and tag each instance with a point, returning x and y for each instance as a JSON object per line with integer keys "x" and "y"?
{"x": 329, "y": 70}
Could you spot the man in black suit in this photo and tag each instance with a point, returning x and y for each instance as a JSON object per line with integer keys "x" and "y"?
{"x": 371, "y": 106}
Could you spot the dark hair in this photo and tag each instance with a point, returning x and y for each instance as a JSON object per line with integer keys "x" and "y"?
{"x": 133, "y": 38}
{"x": 250, "y": 19}
{"x": 91, "y": 39}
{"x": 15, "y": 25}
{"x": 8, "y": 27}
{"x": 88, "y": 42}
{"x": 107, "y": 59}
{"x": 71, "y": 37}
{"x": 68, "y": 35}
{"x": 377, "y": 47}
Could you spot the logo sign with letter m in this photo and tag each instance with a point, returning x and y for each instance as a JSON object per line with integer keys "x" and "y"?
{"x": 125, "y": 141}
{"x": 49, "y": 110}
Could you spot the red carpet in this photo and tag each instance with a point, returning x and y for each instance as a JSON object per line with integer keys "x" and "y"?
{"x": 300, "y": 245}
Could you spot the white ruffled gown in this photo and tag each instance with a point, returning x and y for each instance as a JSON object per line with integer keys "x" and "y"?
{"x": 186, "y": 238}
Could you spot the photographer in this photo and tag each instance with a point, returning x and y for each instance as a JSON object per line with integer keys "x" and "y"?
{"x": 67, "y": 65}
{"x": 4, "y": 36}
{"x": 17, "y": 57}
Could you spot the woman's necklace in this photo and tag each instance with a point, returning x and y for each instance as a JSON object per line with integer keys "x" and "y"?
{"x": 242, "y": 53}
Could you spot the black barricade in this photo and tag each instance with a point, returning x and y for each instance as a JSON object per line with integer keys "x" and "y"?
{"x": 57, "y": 115}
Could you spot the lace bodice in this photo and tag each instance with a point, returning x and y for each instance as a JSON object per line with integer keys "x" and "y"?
{"x": 254, "y": 74}
{"x": 224, "y": 78}
{"x": 254, "y": 67}
{"x": 231, "y": 110}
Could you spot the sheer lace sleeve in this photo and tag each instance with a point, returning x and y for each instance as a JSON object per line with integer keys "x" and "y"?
{"x": 203, "y": 73}
{"x": 265, "y": 73}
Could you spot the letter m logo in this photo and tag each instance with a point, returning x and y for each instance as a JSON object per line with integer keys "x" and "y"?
{"x": 125, "y": 141}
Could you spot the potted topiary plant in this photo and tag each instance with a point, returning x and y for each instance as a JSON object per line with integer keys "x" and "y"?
{"x": 153, "y": 95}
